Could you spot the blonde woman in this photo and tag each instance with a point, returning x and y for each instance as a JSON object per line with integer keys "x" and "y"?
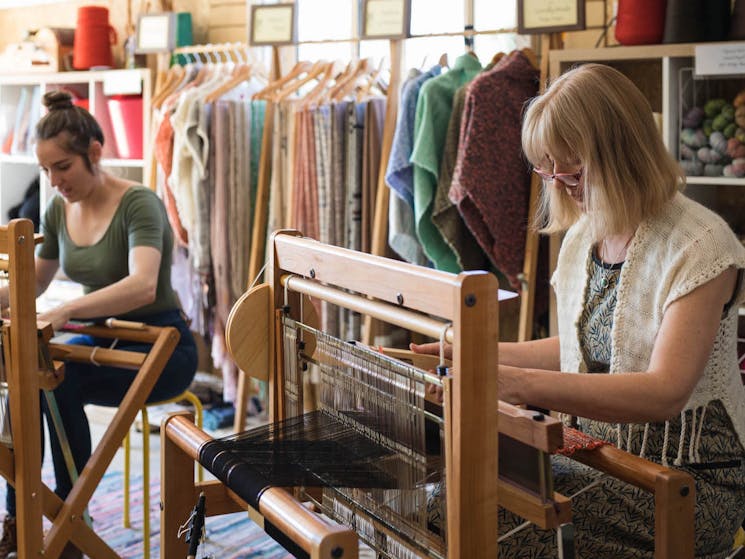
{"x": 648, "y": 284}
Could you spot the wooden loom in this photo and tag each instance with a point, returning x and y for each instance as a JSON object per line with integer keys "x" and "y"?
{"x": 21, "y": 465}
{"x": 461, "y": 309}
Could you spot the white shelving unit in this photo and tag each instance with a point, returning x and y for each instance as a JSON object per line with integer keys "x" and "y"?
{"x": 656, "y": 69}
{"x": 18, "y": 167}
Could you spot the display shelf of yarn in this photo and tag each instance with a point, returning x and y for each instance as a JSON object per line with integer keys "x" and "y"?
{"x": 123, "y": 119}
{"x": 712, "y": 128}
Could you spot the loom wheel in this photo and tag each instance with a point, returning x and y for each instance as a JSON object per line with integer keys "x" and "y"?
{"x": 248, "y": 326}
{"x": 247, "y": 331}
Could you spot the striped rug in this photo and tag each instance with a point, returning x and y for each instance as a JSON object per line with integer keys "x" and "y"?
{"x": 231, "y": 536}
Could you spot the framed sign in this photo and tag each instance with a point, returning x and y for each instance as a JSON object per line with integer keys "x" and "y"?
{"x": 156, "y": 33}
{"x": 273, "y": 24}
{"x": 386, "y": 19}
{"x": 550, "y": 16}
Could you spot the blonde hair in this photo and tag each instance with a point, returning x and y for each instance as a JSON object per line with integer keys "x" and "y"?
{"x": 596, "y": 116}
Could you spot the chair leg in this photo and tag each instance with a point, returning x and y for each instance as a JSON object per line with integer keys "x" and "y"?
{"x": 145, "y": 484}
{"x": 125, "y": 517}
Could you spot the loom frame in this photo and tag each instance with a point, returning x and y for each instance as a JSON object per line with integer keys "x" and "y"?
{"x": 303, "y": 267}
{"x": 21, "y": 466}
{"x": 468, "y": 301}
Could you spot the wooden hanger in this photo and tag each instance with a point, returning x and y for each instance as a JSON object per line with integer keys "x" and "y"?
{"x": 497, "y": 57}
{"x": 241, "y": 74}
{"x": 174, "y": 77}
{"x": 318, "y": 94}
{"x": 532, "y": 58}
{"x": 297, "y": 70}
{"x": 346, "y": 86}
{"x": 364, "y": 90}
{"x": 315, "y": 71}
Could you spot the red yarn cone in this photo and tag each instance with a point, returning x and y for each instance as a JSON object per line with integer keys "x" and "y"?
{"x": 640, "y": 22}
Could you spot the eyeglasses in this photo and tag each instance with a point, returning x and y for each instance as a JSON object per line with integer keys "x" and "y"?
{"x": 569, "y": 179}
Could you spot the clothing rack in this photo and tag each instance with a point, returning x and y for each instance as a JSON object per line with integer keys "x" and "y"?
{"x": 379, "y": 231}
{"x": 464, "y": 33}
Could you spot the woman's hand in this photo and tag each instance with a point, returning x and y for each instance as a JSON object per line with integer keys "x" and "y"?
{"x": 58, "y": 317}
{"x": 434, "y": 391}
{"x": 432, "y": 348}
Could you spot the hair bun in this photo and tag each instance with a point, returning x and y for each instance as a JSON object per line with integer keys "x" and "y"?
{"x": 57, "y": 100}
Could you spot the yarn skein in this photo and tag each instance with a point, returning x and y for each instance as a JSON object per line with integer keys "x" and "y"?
{"x": 683, "y": 21}
{"x": 737, "y": 26}
{"x": 717, "y": 22}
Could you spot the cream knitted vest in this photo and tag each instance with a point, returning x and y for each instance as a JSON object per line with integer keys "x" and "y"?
{"x": 670, "y": 255}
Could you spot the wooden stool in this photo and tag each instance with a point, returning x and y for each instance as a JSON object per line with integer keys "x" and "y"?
{"x": 199, "y": 412}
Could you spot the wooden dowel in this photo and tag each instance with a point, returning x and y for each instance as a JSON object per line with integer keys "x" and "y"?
{"x": 128, "y": 324}
{"x": 377, "y": 309}
{"x": 98, "y": 355}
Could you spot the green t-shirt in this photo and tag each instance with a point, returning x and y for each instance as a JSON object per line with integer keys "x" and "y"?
{"x": 140, "y": 220}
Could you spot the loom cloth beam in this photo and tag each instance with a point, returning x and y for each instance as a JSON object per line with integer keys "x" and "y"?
{"x": 315, "y": 536}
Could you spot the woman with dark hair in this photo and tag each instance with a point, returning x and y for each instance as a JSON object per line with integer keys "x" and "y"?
{"x": 112, "y": 236}
{"x": 648, "y": 285}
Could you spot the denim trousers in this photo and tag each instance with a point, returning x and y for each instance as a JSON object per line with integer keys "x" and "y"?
{"x": 87, "y": 383}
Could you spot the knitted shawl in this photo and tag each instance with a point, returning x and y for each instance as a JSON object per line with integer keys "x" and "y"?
{"x": 673, "y": 253}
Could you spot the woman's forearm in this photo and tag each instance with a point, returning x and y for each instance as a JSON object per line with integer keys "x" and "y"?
{"x": 622, "y": 397}
{"x": 118, "y": 298}
{"x": 536, "y": 354}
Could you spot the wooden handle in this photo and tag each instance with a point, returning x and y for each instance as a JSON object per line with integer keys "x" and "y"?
{"x": 129, "y": 324}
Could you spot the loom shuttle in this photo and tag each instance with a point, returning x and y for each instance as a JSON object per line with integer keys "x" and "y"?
{"x": 128, "y": 324}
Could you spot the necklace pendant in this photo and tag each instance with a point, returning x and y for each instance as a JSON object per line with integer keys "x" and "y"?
{"x": 604, "y": 283}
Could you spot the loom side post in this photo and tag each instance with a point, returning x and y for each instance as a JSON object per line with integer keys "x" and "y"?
{"x": 17, "y": 242}
{"x": 472, "y": 460}
{"x": 674, "y": 503}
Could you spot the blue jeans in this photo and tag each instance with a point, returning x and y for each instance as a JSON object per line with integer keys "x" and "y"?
{"x": 86, "y": 383}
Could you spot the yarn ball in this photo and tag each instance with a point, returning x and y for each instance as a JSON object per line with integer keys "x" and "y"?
{"x": 735, "y": 149}
{"x": 718, "y": 141}
{"x": 737, "y": 168}
{"x": 740, "y": 116}
{"x": 713, "y": 106}
{"x": 729, "y": 130}
{"x": 692, "y": 168}
{"x": 693, "y": 118}
{"x": 687, "y": 152}
{"x": 740, "y": 135}
{"x": 707, "y": 126}
{"x": 720, "y": 122}
{"x": 739, "y": 99}
{"x": 693, "y": 138}
{"x": 708, "y": 155}
{"x": 713, "y": 170}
